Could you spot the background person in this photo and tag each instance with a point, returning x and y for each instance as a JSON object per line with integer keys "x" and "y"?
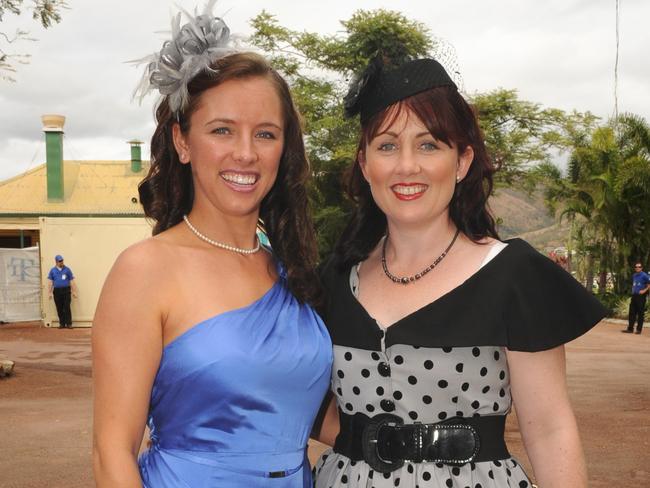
{"x": 640, "y": 287}
{"x": 62, "y": 287}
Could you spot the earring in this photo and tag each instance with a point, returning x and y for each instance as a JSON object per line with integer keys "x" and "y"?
{"x": 457, "y": 179}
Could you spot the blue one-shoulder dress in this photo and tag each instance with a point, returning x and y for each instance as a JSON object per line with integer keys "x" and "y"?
{"x": 235, "y": 397}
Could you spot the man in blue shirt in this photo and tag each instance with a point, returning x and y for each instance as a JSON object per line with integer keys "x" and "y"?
{"x": 640, "y": 287}
{"x": 62, "y": 287}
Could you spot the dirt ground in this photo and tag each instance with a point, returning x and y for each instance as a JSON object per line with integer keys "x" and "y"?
{"x": 46, "y": 407}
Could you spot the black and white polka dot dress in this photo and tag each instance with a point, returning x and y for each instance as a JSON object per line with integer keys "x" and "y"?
{"x": 448, "y": 360}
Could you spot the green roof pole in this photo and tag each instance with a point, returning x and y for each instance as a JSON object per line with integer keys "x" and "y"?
{"x": 53, "y": 128}
{"x": 136, "y": 155}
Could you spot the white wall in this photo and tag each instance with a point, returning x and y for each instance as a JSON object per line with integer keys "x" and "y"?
{"x": 89, "y": 247}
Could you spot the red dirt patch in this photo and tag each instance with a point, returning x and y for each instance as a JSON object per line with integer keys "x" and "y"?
{"x": 46, "y": 407}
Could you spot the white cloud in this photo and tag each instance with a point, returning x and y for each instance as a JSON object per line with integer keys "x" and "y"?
{"x": 557, "y": 53}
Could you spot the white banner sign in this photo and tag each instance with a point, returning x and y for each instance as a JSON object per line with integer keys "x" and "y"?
{"x": 20, "y": 278}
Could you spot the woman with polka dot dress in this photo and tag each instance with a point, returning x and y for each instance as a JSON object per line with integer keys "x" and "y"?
{"x": 438, "y": 326}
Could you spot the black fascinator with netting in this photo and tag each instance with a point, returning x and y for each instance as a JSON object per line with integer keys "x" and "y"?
{"x": 381, "y": 84}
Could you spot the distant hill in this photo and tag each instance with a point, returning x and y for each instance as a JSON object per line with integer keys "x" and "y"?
{"x": 525, "y": 216}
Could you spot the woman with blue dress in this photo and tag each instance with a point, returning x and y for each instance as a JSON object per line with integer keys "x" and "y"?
{"x": 202, "y": 334}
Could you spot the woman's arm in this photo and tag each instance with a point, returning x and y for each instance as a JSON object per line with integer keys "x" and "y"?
{"x": 546, "y": 420}
{"x": 127, "y": 346}
{"x": 326, "y": 427}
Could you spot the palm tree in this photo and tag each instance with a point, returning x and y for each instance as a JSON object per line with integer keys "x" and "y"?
{"x": 606, "y": 195}
{"x": 633, "y": 185}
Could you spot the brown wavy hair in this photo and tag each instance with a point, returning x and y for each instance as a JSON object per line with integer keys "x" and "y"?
{"x": 167, "y": 192}
{"x": 450, "y": 119}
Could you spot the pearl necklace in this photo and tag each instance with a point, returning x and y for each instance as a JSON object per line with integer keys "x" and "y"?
{"x": 410, "y": 279}
{"x": 221, "y": 244}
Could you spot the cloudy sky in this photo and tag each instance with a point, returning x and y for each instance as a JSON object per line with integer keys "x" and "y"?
{"x": 559, "y": 53}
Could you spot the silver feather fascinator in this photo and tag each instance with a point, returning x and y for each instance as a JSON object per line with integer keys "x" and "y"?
{"x": 194, "y": 46}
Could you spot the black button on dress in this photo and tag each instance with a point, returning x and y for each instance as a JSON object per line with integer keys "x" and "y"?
{"x": 448, "y": 359}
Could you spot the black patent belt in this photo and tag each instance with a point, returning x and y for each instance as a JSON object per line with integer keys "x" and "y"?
{"x": 385, "y": 443}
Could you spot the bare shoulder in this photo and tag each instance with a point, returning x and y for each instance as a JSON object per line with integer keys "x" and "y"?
{"x": 132, "y": 307}
{"x": 146, "y": 258}
{"x": 477, "y": 249}
{"x": 137, "y": 276}
{"x": 489, "y": 242}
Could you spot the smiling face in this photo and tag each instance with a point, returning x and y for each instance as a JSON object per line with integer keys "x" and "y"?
{"x": 234, "y": 143}
{"x": 412, "y": 175}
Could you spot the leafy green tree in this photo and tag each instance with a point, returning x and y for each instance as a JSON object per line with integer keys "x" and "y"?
{"x": 45, "y": 12}
{"x": 606, "y": 194}
{"x": 519, "y": 134}
{"x": 633, "y": 184}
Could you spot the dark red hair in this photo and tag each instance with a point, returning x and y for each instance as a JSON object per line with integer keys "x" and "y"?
{"x": 449, "y": 119}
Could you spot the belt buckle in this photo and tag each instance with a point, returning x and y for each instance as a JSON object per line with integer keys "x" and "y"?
{"x": 466, "y": 440}
{"x": 369, "y": 443}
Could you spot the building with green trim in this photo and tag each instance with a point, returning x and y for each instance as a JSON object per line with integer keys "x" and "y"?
{"x": 88, "y": 211}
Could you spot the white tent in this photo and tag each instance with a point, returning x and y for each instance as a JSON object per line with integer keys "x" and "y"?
{"x": 20, "y": 285}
